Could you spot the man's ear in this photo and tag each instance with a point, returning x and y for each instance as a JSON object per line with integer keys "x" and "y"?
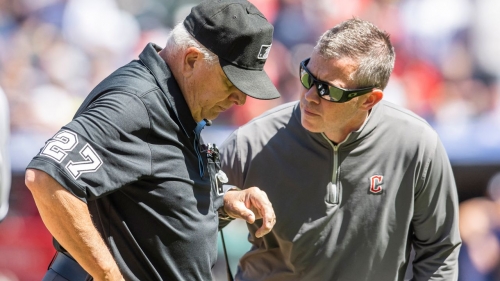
{"x": 191, "y": 59}
{"x": 372, "y": 99}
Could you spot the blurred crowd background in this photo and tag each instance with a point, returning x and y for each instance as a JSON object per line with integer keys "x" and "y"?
{"x": 53, "y": 52}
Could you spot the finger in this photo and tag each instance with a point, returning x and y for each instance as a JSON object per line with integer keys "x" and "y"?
{"x": 268, "y": 222}
{"x": 248, "y": 216}
{"x": 239, "y": 210}
{"x": 264, "y": 210}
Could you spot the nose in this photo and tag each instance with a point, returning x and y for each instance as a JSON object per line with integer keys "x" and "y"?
{"x": 238, "y": 97}
{"x": 311, "y": 95}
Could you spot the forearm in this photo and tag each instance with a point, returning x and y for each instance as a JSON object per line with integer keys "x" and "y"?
{"x": 68, "y": 220}
{"x": 436, "y": 263}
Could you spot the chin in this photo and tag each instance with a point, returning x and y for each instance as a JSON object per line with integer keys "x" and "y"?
{"x": 212, "y": 116}
{"x": 310, "y": 126}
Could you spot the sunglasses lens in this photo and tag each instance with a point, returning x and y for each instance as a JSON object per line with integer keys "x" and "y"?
{"x": 336, "y": 93}
{"x": 305, "y": 79}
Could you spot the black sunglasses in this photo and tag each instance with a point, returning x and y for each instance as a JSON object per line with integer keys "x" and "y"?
{"x": 326, "y": 90}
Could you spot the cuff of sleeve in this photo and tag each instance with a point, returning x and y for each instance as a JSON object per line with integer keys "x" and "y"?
{"x": 227, "y": 187}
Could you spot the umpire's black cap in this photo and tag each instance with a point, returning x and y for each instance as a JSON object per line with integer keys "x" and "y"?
{"x": 241, "y": 37}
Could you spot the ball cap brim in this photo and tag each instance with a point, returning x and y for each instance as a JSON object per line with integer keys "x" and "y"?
{"x": 254, "y": 83}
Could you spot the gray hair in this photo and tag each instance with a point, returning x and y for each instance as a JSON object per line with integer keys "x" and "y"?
{"x": 365, "y": 43}
{"x": 180, "y": 39}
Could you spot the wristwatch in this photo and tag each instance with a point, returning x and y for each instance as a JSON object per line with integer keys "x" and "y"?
{"x": 223, "y": 215}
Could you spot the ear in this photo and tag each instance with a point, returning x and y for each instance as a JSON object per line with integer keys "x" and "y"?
{"x": 372, "y": 99}
{"x": 191, "y": 59}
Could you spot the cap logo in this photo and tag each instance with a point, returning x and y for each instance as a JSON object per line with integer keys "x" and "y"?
{"x": 264, "y": 52}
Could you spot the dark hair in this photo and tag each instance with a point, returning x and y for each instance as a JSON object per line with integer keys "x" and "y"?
{"x": 365, "y": 43}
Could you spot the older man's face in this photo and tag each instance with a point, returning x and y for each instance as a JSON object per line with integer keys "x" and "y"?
{"x": 211, "y": 92}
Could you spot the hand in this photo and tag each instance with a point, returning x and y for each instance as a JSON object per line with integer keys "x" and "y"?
{"x": 251, "y": 204}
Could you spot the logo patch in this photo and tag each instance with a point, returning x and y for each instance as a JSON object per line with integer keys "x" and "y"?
{"x": 376, "y": 184}
{"x": 264, "y": 52}
{"x": 62, "y": 145}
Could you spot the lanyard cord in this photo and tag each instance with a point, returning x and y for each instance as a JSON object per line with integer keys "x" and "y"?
{"x": 196, "y": 144}
{"x": 228, "y": 269}
{"x": 197, "y": 132}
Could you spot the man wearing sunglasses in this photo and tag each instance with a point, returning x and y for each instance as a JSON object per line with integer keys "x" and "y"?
{"x": 356, "y": 182}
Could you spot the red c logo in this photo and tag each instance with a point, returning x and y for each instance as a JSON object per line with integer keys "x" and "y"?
{"x": 376, "y": 184}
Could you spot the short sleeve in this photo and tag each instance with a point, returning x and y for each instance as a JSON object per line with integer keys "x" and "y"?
{"x": 102, "y": 149}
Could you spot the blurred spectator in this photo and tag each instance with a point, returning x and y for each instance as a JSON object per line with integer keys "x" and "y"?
{"x": 479, "y": 258}
{"x": 485, "y": 43}
{"x": 5, "y": 174}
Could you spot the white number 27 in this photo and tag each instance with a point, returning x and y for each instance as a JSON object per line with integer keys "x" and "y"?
{"x": 65, "y": 141}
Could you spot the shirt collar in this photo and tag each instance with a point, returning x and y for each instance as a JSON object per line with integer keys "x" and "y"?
{"x": 166, "y": 81}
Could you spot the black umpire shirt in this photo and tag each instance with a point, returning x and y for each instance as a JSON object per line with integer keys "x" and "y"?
{"x": 129, "y": 153}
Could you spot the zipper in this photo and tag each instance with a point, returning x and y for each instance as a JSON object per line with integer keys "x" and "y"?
{"x": 333, "y": 188}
